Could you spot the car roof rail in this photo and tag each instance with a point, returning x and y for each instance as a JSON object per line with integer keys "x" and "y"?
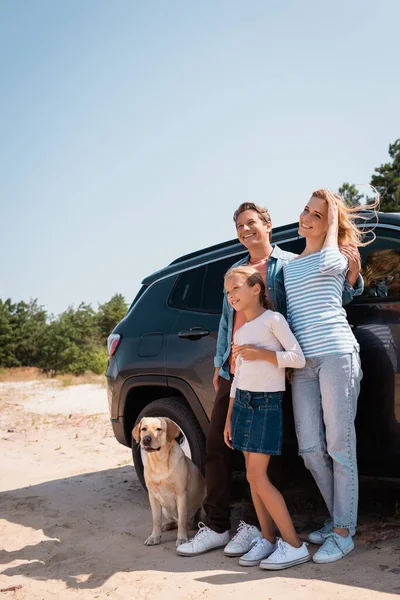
{"x": 228, "y": 244}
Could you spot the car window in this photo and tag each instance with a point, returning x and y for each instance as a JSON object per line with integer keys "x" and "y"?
{"x": 188, "y": 290}
{"x": 381, "y": 264}
{"x": 213, "y": 292}
{"x": 201, "y": 289}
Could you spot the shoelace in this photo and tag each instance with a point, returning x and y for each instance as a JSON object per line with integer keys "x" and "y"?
{"x": 281, "y": 547}
{"x": 255, "y": 543}
{"x": 327, "y": 528}
{"x": 241, "y": 531}
{"x": 203, "y": 530}
{"x": 331, "y": 545}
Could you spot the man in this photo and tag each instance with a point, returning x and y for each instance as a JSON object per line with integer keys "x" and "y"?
{"x": 254, "y": 228}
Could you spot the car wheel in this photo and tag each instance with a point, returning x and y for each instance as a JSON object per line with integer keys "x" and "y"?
{"x": 191, "y": 440}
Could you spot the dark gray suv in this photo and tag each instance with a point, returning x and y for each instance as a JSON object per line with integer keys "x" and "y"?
{"x": 161, "y": 353}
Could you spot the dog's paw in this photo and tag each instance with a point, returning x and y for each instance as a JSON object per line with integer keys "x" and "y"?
{"x": 152, "y": 540}
{"x": 180, "y": 541}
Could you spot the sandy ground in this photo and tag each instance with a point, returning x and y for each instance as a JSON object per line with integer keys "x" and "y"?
{"x": 73, "y": 518}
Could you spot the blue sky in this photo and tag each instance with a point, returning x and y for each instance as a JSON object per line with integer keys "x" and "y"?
{"x": 131, "y": 130}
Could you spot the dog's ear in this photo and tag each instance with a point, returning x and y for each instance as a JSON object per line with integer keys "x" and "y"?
{"x": 172, "y": 430}
{"x": 136, "y": 432}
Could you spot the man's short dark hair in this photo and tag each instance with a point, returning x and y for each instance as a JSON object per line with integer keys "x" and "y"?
{"x": 262, "y": 212}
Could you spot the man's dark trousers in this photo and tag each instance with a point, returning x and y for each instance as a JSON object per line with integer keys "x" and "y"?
{"x": 219, "y": 467}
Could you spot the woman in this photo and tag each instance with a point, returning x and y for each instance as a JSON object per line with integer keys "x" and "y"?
{"x": 325, "y": 391}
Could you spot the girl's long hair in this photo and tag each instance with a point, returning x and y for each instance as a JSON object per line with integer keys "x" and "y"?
{"x": 253, "y": 277}
{"x": 348, "y": 232}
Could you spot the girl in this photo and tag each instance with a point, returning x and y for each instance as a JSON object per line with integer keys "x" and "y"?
{"x": 325, "y": 391}
{"x": 254, "y": 419}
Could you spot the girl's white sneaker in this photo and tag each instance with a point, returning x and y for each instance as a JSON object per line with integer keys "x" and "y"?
{"x": 260, "y": 549}
{"x": 286, "y": 556}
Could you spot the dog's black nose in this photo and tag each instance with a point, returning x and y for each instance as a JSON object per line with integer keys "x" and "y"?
{"x": 146, "y": 440}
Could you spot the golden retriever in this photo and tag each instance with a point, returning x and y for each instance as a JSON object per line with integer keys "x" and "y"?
{"x": 175, "y": 485}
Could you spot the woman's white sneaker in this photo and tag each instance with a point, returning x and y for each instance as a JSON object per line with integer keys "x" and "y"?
{"x": 260, "y": 549}
{"x": 243, "y": 539}
{"x": 334, "y": 548}
{"x": 286, "y": 556}
{"x": 205, "y": 540}
{"x": 319, "y": 536}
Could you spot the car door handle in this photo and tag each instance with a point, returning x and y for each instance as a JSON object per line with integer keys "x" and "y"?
{"x": 195, "y": 333}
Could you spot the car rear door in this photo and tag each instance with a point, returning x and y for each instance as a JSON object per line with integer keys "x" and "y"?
{"x": 197, "y": 299}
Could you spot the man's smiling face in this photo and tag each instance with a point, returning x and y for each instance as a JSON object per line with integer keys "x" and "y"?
{"x": 251, "y": 230}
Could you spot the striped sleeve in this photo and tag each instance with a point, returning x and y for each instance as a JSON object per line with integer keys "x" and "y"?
{"x": 332, "y": 261}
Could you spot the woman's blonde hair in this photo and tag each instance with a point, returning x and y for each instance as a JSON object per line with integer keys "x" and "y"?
{"x": 253, "y": 277}
{"x": 348, "y": 232}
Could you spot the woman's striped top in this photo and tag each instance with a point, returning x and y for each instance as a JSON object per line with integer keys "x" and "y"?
{"x": 314, "y": 286}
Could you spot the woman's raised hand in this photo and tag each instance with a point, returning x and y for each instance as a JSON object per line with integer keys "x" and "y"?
{"x": 333, "y": 211}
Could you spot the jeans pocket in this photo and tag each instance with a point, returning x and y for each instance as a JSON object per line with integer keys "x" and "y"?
{"x": 268, "y": 401}
{"x": 356, "y": 355}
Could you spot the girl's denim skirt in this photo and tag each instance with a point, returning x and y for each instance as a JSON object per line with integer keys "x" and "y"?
{"x": 257, "y": 423}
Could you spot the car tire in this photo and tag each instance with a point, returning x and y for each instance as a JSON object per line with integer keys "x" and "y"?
{"x": 177, "y": 411}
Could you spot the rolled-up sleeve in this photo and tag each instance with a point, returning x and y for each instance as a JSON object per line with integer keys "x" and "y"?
{"x": 222, "y": 342}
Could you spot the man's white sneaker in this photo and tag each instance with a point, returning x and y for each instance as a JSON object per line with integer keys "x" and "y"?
{"x": 319, "y": 536}
{"x": 334, "y": 548}
{"x": 286, "y": 556}
{"x": 242, "y": 540}
{"x": 205, "y": 540}
{"x": 260, "y": 549}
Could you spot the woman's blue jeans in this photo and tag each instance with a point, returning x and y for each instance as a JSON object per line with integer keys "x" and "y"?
{"x": 325, "y": 394}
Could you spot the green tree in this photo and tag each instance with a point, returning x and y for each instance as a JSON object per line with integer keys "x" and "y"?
{"x": 351, "y": 195}
{"x": 28, "y": 323}
{"x": 386, "y": 180}
{"x": 7, "y": 343}
{"x": 72, "y": 343}
{"x": 110, "y": 314}
{"x": 21, "y": 328}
